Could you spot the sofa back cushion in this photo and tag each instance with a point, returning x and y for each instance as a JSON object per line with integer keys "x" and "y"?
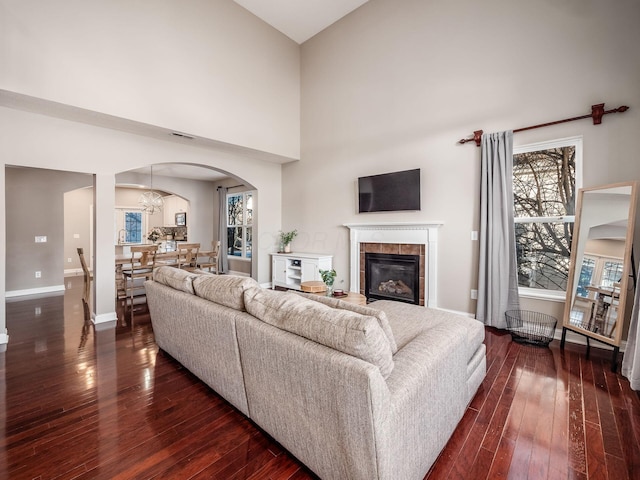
{"x": 175, "y": 278}
{"x": 383, "y": 321}
{"x": 227, "y": 290}
{"x": 349, "y": 332}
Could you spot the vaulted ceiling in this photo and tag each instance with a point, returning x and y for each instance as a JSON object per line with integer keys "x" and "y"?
{"x": 300, "y": 19}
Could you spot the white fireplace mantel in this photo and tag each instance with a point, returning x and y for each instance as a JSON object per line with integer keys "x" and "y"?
{"x": 401, "y": 232}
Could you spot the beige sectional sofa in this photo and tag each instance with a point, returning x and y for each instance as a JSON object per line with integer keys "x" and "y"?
{"x": 353, "y": 392}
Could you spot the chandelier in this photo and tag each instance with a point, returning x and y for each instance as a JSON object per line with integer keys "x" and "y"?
{"x": 151, "y": 202}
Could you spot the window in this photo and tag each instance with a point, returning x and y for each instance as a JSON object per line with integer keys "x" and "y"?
{"x": 544, "y": 193}
{"x": 130, "y": 225}
{"x": 603, "y": 272}
{"x": 133, "y": 227}
{"x": 239, "y": 224}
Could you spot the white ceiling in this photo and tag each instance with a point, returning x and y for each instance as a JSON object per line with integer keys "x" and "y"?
{"x": 300, "y": 19}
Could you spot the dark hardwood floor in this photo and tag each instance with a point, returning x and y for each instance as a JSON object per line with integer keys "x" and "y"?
{"x": 81, "y": 403}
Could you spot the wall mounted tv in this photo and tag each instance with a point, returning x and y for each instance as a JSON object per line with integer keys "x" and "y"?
{"x": 389, "y": 192}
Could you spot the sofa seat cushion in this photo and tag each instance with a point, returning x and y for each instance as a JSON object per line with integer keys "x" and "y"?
{"x": 408, "y": 321}
{"x": 361, "y": 309}
{"x": 349, "y": 332}
{"x": 227, "y": 290}
{"x": 175, "y": 278}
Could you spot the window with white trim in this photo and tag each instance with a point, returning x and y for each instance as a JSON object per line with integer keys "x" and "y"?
{"x": 130, "y": 225}
{"x": 240, "y": 224}
{"x": 602, "y": 271}
{"x": 546, "y": 177}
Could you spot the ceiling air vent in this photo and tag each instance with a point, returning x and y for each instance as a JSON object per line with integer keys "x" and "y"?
{"x": 182, "y": 135}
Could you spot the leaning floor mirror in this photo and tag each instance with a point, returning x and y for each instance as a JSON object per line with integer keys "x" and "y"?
{"x": 601, "y": 270}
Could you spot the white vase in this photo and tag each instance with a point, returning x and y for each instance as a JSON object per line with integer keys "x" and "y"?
{"x": 287, "y": 248}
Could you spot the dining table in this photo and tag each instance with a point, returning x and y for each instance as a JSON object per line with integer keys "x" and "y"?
{"x": 169, "y": 258}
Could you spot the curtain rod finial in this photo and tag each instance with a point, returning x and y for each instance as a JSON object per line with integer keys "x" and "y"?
{"x": 477, "y": 137}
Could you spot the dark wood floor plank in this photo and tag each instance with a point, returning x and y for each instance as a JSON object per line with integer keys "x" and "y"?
{"x": 616, "y": 468}
{"x": 494, "y": 366}
{"x": 630, "y": 447}
{"x": 577, "y": 446}
{"x": 610, "y": 435}
{"x": 480, "y": 468}
{"x": 541, "y": 450}
{"x": 590, "y": 403}
{"x": 501, "y": 465}
{"x": 118, "y": 407}
{"x": 451, "y": 451}
{"x": 559, "y": 454}
{"x": 596, "y": 463}
{"x": 507, "y": 381}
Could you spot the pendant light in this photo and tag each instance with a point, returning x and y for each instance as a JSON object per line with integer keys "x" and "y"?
{"x": 151, "y": 202}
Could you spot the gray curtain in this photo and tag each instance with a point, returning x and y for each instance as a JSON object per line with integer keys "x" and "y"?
{"x": 631, "y": 359}
{"x": 223, "y": 266}
{"x": 497, "y": 279}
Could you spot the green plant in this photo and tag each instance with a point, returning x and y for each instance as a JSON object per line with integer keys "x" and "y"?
{"x": 287, "y": 237}
{"x": 328, "y": 276}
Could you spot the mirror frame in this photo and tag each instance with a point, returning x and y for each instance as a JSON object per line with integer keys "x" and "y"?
{"x": 626, "y": 269}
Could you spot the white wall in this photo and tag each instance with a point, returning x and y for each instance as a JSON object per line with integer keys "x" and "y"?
{"x": 77, "y": 147}
{"x": 206, "y": 67}
{"x": 394, "y": 85}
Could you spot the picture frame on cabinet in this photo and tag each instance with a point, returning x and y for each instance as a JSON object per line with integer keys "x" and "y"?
{"x": 181, "y": 219}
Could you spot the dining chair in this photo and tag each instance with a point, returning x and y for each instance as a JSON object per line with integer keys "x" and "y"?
{"x": 88, "y": 277}
{"x": 211, "y": 261}
{"x": 188, "y": 256}
{"x": 143, "y": 261}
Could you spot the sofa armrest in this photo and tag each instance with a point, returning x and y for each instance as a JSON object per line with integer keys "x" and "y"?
{"x": 319, "y": 403}
{"x": 428, "y": 396}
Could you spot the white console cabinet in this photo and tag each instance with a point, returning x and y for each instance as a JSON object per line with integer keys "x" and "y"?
{"x": 288, "y": 270}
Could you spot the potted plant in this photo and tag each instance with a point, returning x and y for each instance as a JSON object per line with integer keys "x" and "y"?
{"x": 286, "y": 238}
{"x": 328, "y": 277}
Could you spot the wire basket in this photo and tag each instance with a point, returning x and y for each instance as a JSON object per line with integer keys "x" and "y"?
{"x": 531, "y": 327}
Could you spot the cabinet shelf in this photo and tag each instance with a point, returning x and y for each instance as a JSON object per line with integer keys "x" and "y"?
{"x": 289, "y": 270}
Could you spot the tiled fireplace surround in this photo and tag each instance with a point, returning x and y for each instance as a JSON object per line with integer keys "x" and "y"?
{"x": 403, "y": 238}
{"x": 395, "y": 249}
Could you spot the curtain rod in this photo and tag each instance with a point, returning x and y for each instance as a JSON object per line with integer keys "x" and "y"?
{"x": 233, "y": 186}
{"x": 597, "y": 111}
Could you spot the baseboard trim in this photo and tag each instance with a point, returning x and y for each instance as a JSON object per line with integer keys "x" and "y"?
{"x": 238, "y": 274}
{"x": 4, "y": 339}
{"x": 70, "y": 272}
{"x": 464, "y": 314}
{"x": 34, "y": 291}
{"x": 104, "y": 318}
{"x": 578, "y": 339}
{"x": 571, "y": 337}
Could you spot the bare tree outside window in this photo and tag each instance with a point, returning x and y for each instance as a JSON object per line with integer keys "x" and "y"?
{"x": 235, "y": 209}
{"x": 239, "y": 224}
{"x": 544, "y": 191}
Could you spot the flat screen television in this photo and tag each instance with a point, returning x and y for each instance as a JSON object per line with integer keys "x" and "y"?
{"x": 389, "y": 192}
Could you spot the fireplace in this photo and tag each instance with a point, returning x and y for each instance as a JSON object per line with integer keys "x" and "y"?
{"x": 392, "y": 277}
{"x": 396, "y": 238}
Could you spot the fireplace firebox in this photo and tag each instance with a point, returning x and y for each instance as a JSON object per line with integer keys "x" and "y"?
{"x": 392, "y": 277}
